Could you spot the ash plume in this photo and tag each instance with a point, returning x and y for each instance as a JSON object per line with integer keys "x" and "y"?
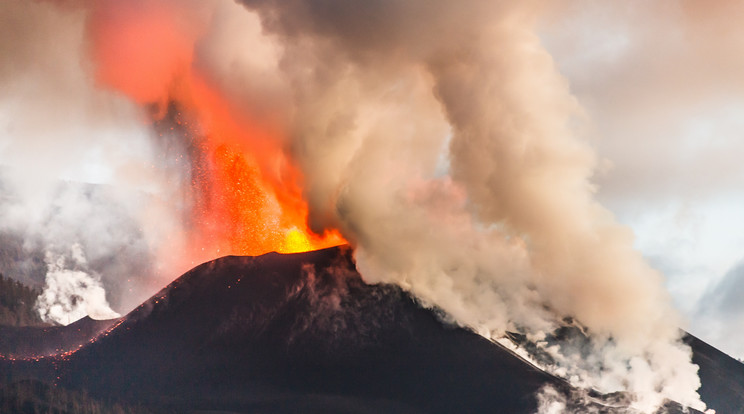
{"x": 664, "y": 77}
{"x": 511, "y": 228}
{"x": 439, "y": 138}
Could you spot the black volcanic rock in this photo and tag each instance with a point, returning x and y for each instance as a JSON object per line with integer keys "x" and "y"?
{"x": 35, "y": 341}
{"x": 721, "y": 376}
{"x": 298, "y": 333}
{"x": 302, "y": 333}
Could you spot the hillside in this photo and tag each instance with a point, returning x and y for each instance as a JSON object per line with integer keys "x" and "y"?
{"x": 17, "y": 304}
{"x": 303, "y": 333}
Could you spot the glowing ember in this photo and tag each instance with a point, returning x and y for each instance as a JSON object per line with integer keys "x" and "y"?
{"x": 296, "y": 241}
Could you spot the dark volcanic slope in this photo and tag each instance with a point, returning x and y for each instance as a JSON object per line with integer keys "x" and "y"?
{"x": 35, "y": 341}
{"x": 303, "y": 333}
{"x": 722, "y": 377}
{"x": 298, "y": 333}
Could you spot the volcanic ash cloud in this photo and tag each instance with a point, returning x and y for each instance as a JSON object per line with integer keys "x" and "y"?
{"x": 437, "y": 137}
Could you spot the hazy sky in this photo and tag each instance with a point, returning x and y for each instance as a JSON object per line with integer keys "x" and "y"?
{"x": 661, "y": 85}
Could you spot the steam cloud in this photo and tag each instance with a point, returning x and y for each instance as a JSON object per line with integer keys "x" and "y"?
{"x": 71, "y": 291}
{"x": 59, "y": 133}
{"x": 438, "y": 137}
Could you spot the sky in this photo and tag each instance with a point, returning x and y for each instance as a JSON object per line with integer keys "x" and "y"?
{"x": 510, "y": 163}
{"x": 662, "y": 89}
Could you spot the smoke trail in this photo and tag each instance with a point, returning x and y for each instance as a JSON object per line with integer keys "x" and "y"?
{"x": 71, "y": 290}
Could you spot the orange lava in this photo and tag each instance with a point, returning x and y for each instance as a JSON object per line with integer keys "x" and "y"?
{"x": 248, "y": 192}
{"x": 251, "y": 197}
{"x": 251, "y": 200}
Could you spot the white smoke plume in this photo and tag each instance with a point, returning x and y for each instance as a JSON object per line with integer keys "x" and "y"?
{"x": 661, "y": 82}
{"x": 72, "y": 291}
{"x": 78, "y": 163}
{"x": 442, "y": 141}
{"x": 550, "y": 401}
{"x": 509, "y": 238}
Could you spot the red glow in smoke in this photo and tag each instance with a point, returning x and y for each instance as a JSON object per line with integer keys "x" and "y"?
{"x": 249, "y": 195}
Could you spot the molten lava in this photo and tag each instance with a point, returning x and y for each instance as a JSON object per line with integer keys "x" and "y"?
{"x": 248, "y": 194}
{"x": 244, "y": 208}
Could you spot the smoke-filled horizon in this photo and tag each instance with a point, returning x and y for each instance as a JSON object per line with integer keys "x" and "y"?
{"x": 441, "y": 140}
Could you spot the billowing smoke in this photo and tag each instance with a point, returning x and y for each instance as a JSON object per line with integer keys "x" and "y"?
{"x": 79, "y": 163}
{"x": 661, "y": 82}
{"x": 72, "y": 291}
{"x": 438, "y": 137}
{"x": 506, "y": 235}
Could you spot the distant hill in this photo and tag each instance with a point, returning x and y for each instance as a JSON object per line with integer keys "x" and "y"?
{"x": 22, "y": 258}
{"x": 35, "y": 341}
{"x": 17, "y": 304}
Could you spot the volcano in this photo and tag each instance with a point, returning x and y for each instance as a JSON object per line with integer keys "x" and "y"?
{"x": 303, "y": 333}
